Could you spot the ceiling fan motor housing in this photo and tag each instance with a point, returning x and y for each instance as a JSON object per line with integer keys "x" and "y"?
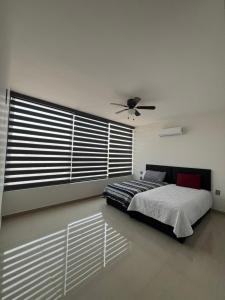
{"x": 131, "y": 102}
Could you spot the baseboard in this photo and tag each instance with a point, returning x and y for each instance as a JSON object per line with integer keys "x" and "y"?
{"x": 218, "y": 211}
{"x": 47, "y": 207}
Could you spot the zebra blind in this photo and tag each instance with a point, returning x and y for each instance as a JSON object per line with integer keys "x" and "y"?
{"x": 90, "y": 149}
{"x": 120, "y": 150}
{"x": 51, "y": 145}
{"x": 39, "y": 145}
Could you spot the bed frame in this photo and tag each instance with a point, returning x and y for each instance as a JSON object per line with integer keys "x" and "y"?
{"x": 171, "y": 174}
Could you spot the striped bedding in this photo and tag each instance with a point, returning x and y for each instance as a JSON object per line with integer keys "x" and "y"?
{"x": 123, "y": 192}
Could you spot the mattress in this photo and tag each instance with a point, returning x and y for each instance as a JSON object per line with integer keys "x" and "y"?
{"x": 177, "y": 206}
{"x": 123, "y": 192}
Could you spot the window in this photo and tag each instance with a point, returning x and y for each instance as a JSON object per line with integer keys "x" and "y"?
{"x": 49, "y": 144}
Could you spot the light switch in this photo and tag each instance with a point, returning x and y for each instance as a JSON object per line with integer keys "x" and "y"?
{"x": 217, "y": 192}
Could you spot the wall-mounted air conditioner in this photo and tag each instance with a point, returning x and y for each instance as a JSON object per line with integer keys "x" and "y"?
{"x": 171, "y": 131}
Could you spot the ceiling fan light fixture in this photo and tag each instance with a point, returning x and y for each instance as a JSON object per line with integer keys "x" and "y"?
{"x": 131, "y": 114}
{"x": 131, "y": 111}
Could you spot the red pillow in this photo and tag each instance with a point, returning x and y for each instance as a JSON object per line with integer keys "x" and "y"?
{"x": 189, "y": 180}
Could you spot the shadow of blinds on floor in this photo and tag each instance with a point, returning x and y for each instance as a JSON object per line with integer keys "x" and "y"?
{"x": 50, "y": 266}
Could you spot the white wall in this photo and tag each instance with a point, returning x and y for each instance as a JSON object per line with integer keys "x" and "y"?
{"x": 27, "y": 199}
{"x": 4, "y": 65}
{"x": 202, "y": 146}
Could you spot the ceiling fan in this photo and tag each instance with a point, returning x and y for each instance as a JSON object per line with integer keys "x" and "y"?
{"x": 132, "y": 107}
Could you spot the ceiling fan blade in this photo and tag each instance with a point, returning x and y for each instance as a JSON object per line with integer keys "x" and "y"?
{"x": 146, "y": 107}
{"x": 137, "y": 114}
{"x": 133, "y": 102}
{"x": 118, "y": 112}
{"x": 119, "y": 104}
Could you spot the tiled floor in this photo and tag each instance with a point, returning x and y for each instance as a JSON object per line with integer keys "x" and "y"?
{"x": 107, "y": 255}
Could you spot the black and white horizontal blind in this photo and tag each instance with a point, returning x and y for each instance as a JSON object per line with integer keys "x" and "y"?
{"x": 39, "y": 145}
{"x": 50, "y": 144}
{"x": 120, "y": 150}
{"x": 90, "y": 149}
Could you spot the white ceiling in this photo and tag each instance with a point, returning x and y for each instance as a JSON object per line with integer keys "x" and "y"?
{"x": 86, "y": 54}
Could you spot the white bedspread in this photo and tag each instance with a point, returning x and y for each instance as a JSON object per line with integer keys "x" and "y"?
{"x": 173, "y": 205}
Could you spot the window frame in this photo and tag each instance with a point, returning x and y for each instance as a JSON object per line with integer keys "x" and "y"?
{"x": 88, "y": 119}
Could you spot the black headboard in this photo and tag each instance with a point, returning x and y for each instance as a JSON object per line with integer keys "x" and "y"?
{"x": 171, "y": 174}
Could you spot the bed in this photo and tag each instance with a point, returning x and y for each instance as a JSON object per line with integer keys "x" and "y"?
{"x": 173, "y": 209}
{"x": 120, "y": 194}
